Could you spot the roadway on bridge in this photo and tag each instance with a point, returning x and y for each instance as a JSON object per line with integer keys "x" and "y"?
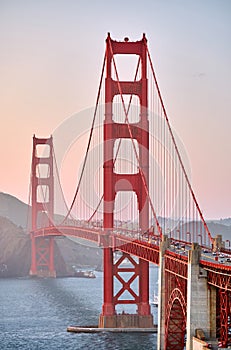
{"x": 207, "y": 255}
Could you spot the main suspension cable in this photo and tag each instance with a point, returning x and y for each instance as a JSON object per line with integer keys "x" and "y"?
{"x": 118, "y": 148}
{"x": 133, "y": 143}
{"x": 175, "y": 146}
{"x": 89, "y": 143}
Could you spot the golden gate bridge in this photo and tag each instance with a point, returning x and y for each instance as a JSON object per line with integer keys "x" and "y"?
{"x": 134, "y": 195}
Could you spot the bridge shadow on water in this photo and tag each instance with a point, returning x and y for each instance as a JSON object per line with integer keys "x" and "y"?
{"x": 36, "y": 312}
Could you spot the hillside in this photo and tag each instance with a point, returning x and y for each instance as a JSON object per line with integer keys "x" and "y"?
{"x": 218, "y": 228}
{"x": 15, "y": 248}
{"x": 13, "y": 209}
{"x": 15, "y": 252}
{"x": 226, "y": 221}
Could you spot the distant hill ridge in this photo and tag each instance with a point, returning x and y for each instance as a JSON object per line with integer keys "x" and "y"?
{"x": 15, "y": 251}
{"x": 17, "y": 212}
{"x": 13, "y": 209}
{"x": 226, "y": 221}
{"x": 15, "y": 245}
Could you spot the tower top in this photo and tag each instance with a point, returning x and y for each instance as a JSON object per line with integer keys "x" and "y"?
{"x": 126, "y": 38}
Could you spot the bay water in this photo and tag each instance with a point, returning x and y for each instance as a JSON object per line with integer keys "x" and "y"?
{"x": 35, "y": 313}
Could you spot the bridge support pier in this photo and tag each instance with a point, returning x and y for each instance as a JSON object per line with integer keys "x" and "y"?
{"x": 126, "y": 321}
{"x": 218, "y": 243}
{"x": 201, "y": 301}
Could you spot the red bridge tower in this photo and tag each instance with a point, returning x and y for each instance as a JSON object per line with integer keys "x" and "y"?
{"x": 42, "y": 249}
{"x": 114, "y": 182}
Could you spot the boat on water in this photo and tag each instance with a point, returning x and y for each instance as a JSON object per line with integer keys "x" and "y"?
{"x": 84, "y": 274}
{"x": 155, "y": 301}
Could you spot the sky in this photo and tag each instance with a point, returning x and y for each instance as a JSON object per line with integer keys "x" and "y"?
{"x": 50, "y": 63}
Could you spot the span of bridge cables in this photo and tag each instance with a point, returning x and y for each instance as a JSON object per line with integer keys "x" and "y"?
{"x": 173, "y": 207}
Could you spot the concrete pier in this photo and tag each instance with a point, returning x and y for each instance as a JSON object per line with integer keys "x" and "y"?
{"x": 201, "y": 300}
{"x": 126, "y": 321}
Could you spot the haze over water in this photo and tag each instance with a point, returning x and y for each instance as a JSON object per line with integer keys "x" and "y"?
{"x": 36, "y": 312}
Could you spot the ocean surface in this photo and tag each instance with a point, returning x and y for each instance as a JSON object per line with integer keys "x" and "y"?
{"x": 35, "y": 313}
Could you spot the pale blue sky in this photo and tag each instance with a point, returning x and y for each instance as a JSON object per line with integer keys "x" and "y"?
{"x": 50, "y": 61}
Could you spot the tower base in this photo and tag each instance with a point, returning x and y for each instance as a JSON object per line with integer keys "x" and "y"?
{"x": 126, "y": 321}
{"x": 43, "y": 274}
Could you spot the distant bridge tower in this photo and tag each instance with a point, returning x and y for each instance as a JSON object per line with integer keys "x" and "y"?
{"x": 116, "y": 182}
{"x": 42, "y": 249}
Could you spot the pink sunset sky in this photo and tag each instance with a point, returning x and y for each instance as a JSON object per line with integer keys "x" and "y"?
{"x": 50, "y": 63}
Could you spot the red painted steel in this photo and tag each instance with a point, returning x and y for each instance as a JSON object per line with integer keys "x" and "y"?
{"x": 112, "y": 180}
{"x": 219, "y": 277}
{"x": 42, "y": 249}
{"x": 118, "y": 271}
{"x": 176, "y": 271}
{"x": 176, "y": 320}
{"x": 224, "y": 313}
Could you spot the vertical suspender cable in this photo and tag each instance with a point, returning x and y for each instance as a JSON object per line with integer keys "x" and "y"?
{"x": 177, "y": 151}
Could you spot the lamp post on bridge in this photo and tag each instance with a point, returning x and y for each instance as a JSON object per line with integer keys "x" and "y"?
{"x": 169, "y": 233}
{"x": 178, "y": 234}
{"x": 200, "y": 235}
{"x": 228, "y": 241}
{"x": 190, "y": 236}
